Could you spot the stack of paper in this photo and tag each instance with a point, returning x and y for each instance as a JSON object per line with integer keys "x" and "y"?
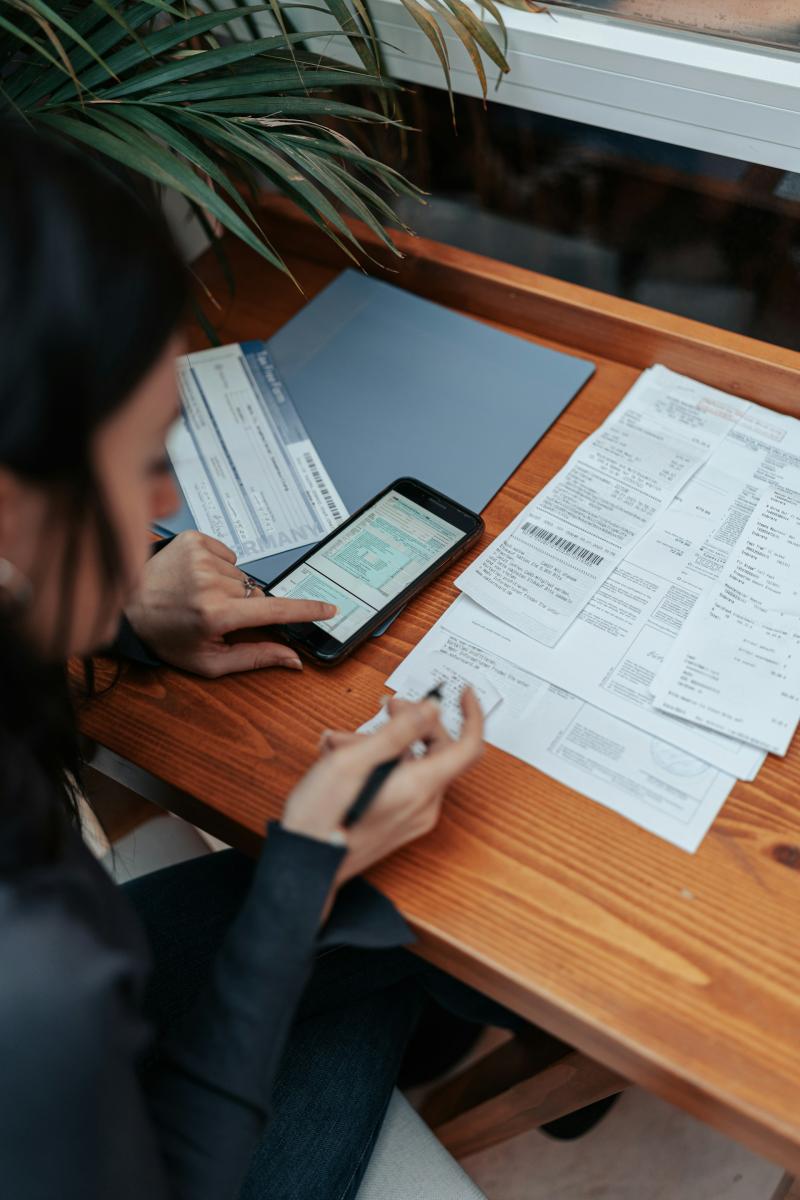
{"x": 592, "y": 614}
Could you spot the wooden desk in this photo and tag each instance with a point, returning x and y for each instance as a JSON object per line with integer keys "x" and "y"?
{"x": 681, "y": 972}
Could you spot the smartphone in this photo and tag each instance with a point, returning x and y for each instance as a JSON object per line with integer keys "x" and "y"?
{"x": 373, "y": 563}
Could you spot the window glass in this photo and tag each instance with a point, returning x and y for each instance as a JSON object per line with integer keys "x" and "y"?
{"x": 773, "y": 22}
{"x": 693, "y": 233}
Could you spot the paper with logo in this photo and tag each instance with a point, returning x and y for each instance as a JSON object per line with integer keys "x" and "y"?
{"x": 247, "y": 467}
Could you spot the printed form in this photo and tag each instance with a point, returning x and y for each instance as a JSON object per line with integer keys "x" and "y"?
{"x": 613, "y": 651}
{"x": 584, "y": 709}
{"x": 736, "y": 666}
{"x": 542, "y": 571}
{"x": 653, "y": 783}
{"x": 245, "y": 463}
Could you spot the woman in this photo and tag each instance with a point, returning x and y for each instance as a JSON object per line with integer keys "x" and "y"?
{"x": 94, "y": 1105}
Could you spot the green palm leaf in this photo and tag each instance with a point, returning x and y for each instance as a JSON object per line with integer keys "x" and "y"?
{"x": 49, "y": 18}
{"x": 210, "y": 102}
{"x": 156, "y": 44}
{"x": 154, "y": 161}
{"x": 277, "y": 81}
{"x": 200, "y": 62}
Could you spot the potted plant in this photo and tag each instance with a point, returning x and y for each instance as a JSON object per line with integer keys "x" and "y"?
{"x": 210, "y": 100}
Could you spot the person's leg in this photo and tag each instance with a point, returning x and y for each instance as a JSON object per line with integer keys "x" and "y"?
{"x": 344, "y": 1052}
{"x": 354, "y": 1024}
{"x": 186, "y": 910}
{"x": 343, "y": 1057}
{"x": 331, "y": 1096}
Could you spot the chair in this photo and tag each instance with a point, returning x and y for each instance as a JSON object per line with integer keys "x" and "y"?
{"x": 409, "y": 1163}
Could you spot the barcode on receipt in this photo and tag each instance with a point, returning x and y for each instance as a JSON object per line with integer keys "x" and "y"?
{"x": 316, "y": 475}
{"x": 557, "y": 542}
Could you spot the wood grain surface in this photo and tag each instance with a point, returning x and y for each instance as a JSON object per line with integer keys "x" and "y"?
{"x": 565, "y": 1087}
{"x": 680, "y": 972}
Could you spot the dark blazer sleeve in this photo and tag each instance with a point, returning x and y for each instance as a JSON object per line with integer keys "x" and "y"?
{"x": 73, "y": 1115}
{"x": 81, "y": 1117}
{"x": 210, "y": 1086}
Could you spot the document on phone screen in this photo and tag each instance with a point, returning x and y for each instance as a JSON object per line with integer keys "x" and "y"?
{"x": 243, "y": 458}
{"x": 653, "y": 783}
{"x": 543, "y": 570}
{"x": 735, "y": 668}
{"x": 370, "y": 561}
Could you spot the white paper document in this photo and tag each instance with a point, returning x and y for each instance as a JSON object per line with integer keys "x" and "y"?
{"x": 736, "y": 666}
{"x": 615, "y": 647}
{"x": 613, "y": 651}
{"x": 248, "y": 470}
{"x": 585, "y": 680}
{"x": 452, "y": 677}
{"x": 542, "y": 571}
{"x": 661, "y": 788}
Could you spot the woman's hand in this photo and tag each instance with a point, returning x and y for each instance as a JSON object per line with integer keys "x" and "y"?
{"x": 407, "y": 806}
{"x": 192, "y": 597}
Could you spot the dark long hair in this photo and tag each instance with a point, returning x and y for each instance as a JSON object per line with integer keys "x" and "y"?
{"x": 91, "y": 289}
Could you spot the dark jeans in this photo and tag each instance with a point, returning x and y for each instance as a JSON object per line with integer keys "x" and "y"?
{"x": 354, "y": 1022}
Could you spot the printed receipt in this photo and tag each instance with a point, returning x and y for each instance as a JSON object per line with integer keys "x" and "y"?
{"x": 247, "y": 467}
{"x": 614, "y": 650}
{"x": 654, "y": 784}
{"x": 541, "y": 572}
{"x": 736, "y": 666}
{"x": 452, "y": 676}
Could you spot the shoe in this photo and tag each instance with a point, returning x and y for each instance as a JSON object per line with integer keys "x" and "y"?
{"x": 576, "y": 1124}
{"x": 439, "y": 1042}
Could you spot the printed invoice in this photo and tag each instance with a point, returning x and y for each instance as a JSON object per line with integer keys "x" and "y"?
{"x": 250, "y": 474}
{"x": 541, "y": 572}
{"x": 736, "y": 666}
{"x": 659, "y": 787}
{"x": 613, "y": 651}
{"x": 593, "y": 693}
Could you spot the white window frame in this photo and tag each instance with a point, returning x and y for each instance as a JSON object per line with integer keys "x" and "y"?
{"x": 702, "y": 92}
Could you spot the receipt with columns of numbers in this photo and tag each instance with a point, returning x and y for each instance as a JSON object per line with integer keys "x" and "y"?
{"x": 736, "y": 666}
{"x": 615, "y": 649}
{"x": 248, "y": 470}
{"x": 545, "y": 567}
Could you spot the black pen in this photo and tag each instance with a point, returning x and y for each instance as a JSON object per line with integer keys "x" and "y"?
{"x": 379, "y": 775}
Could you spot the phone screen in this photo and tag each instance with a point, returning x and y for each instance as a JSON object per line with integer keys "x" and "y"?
{"x": 370, "y": 562}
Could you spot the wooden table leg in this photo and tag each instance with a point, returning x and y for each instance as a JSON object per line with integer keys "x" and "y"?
{"x": 514, "y": 1089}
{"x": 788, "y": 1189}
{"x": 514, "y": 1060}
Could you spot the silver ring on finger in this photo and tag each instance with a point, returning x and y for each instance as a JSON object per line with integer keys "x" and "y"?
{"x": 251, "y": 586}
